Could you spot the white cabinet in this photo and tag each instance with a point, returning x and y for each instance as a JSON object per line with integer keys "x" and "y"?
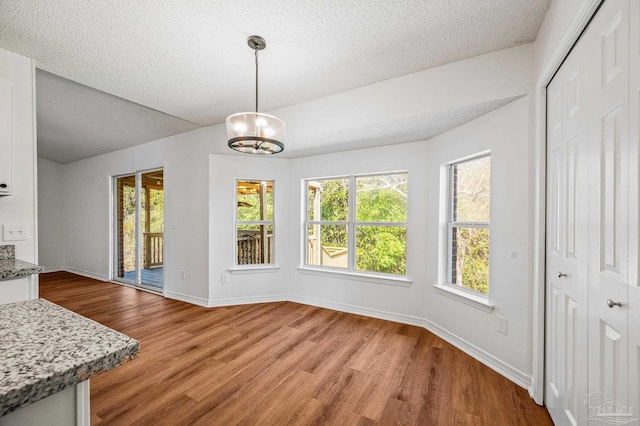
{"x": 6, "y": 136}
{"x": 65, "y": 408}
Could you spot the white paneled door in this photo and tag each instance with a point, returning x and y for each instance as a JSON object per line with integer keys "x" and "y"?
{"x": 609, "y": 260}
{"x": 592, "y": 321}
{"x": 567, "y": 244}
{"x": 634, "y": 174}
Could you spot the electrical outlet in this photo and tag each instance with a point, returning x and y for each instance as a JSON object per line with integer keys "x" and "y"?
{"x": 502, "y": 324}
{"x": 182, "y": 275}
{"x": 224, "y": 278}
{"x": 15, "y": 232}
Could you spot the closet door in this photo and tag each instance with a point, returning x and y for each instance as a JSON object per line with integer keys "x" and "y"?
{"x": 567, "y": 244}
{"x": 634, "y": 156}
{"x": 554, "y": 307}
{"x": 593, "y": 155}
{"x": 609, "y": 208}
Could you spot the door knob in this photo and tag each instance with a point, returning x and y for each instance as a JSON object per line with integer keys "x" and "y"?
{"x": 560, "y": 275}
{"x": 611, "y": 303}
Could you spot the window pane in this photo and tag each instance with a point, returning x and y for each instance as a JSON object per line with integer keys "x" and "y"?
{"x": 381, "y": 249}
{"x": 470, "y": 258}
{"x": 328, "y": 199}
{"x": 471, "y": 190}
{"x": 255, "y": 200}
{"x": 254, "y": 244}
{"x": 327, "y": 246}
{"x": 381, "y": 198}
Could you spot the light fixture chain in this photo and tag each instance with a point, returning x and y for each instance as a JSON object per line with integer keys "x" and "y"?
{"x": 256, "y": 50}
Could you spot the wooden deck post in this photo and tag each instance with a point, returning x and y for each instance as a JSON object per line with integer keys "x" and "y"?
{"x": 263, "y": 216}
{"x": 120, "y": 225}
{"x": 317, "y": 249}
{"x": 147, "y": 227}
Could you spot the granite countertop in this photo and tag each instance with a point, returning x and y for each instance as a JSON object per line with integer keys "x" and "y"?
{"x": 14, "y": 268}
{"x": 10, "y": 267}
{"x": 47, "y": 348}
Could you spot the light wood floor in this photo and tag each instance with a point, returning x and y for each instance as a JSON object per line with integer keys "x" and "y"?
{"x": 281, "y": 363}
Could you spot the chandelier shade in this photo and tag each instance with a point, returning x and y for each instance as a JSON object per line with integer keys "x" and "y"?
{"x": 255, "y": 133}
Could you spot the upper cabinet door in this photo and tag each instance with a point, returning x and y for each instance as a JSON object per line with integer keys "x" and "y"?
{"x": 6, "y": 136}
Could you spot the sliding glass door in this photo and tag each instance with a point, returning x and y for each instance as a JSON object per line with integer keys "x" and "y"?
{"x": 139, "y": 229}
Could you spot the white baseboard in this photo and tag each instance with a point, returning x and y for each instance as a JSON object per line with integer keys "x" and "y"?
{"x": 516, "y": 376}
{"x": 87, "y": 274}
{"x": 358, "y": 310}
{"x": 511, "y": 373}
{"x": 200, "y": 301}
{"x": 247, "y": 300}
{"x": 48, "y": 269}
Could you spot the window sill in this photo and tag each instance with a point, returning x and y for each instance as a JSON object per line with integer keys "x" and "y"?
{"x": 348, "y": 275}
{"x": 477, "y": 301}
{"x": 258, "y": 269}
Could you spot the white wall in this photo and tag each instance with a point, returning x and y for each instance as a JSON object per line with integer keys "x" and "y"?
{"x": 506, "y": 133}
{"x": 51, "y": 244}
{"x": 244, "y": 286}
{"x": 87, "y": 186}
{"x": 20, "y": 208}
{"x": 556, "y": 23}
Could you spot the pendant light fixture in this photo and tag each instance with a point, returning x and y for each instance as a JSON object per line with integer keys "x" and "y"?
{"x": 254, "y": 132}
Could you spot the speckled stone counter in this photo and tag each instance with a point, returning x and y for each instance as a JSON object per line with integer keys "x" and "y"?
{"x": 10, "y": 267}
{"x": 46, "y": 348}
{"x": 7, "y": 252}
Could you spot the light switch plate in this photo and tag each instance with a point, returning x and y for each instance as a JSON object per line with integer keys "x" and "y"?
{"x": 15, "y": 232}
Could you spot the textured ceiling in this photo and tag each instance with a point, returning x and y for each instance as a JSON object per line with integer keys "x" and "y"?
{"x": 189, "y": 58}
{"x": 76, "y": 121}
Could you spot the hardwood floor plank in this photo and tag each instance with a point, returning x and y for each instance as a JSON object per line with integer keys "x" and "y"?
{"x": 281, "y": 364}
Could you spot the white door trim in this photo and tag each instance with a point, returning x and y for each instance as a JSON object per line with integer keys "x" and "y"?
{"x": 582, "y": 17}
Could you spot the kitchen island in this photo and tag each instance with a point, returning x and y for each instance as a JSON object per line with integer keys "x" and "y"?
{"x": 47, "y": 356}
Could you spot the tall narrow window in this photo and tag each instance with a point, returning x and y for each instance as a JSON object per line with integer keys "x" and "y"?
{"x": 468, "y": 224}
{"x": 254, "y": 222}
{"x": 327, "y": 222}
{"x": 381, "y": 223}
{"x": 357, "y": 223}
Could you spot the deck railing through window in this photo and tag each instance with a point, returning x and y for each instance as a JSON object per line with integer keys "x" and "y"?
{"x": 153, "y": 244}
{"x": 250, "y": 248}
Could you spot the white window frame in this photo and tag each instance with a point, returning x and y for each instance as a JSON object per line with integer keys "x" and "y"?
{"x": 351, "y": 224}
{"x": 239, "y": 268}
{"x": 449, "y": 288}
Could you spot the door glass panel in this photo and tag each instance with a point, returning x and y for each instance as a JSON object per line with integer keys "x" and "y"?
{"x": 126, "y": 227}
{"x": 152, "y": 228}
{"x": 139, "y": 229}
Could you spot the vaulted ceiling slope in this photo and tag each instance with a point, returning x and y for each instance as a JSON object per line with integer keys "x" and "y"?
{"x": 77, "y": 122}
{"x": 189, "y": 59}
